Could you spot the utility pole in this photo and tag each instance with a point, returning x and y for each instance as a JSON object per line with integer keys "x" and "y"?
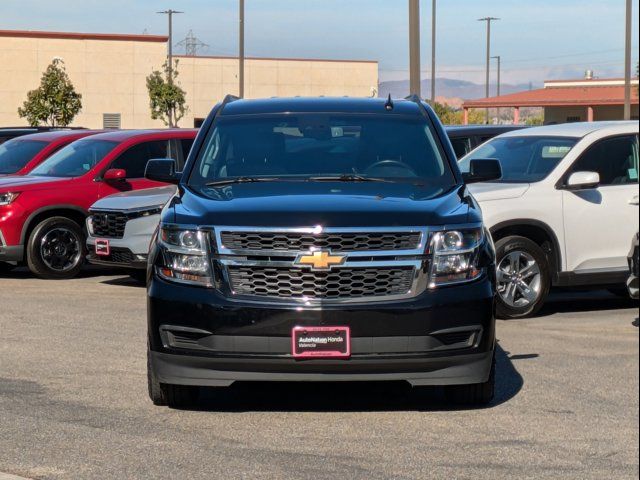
{"x": 497, "y": 57}
{"x": 414, "y": 47}
{"x": 170, "y": 13}
{"x": 241, "y": 51}
{"x": 627, "y": 63}
{"x": 488, "y": 20}
{"x": 433, "y": 51}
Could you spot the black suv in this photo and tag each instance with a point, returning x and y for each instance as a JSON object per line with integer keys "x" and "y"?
{"x": 321, "y": 240}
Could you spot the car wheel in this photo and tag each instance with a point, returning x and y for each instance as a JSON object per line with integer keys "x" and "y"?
{"x": 476, "y": 394}
{"x": 523, "y": 278}
{"x": 175, "y": 396}
{"x": 56, "y": 249}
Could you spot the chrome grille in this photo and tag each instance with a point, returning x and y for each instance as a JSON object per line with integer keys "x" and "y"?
{"x": 109, "y": 224}
{"x": 335, "y": 242}
{"x": 340, "y": 283}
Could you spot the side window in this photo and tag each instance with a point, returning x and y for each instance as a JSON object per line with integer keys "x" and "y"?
{"x": 461, "y": 145}
{"x": 615, "y": 159}
{"x": 135, "y": 159}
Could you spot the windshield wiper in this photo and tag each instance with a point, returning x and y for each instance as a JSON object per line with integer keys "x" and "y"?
{"x": 231, "y": 181}
{"x": 349, "y": 177}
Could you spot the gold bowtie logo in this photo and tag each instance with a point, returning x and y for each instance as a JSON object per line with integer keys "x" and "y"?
{"x": 321, "y": 260}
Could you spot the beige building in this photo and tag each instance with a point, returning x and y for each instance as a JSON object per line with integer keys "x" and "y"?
{"x": 109, "y": 70}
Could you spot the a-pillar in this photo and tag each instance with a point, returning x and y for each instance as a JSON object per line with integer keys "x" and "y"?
{"x": 589, "y": 114}
{"x": 465, "y": 116}
{"x": 516, "y": 115}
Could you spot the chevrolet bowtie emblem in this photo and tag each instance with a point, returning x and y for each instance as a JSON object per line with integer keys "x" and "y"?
{"x": 320, "y": 260}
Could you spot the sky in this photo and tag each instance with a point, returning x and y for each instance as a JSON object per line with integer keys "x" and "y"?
{"x": 536, "y": 39}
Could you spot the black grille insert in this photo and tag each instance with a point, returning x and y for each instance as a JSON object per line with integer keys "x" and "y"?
{"x": 340, "y": 283}
{"x": 109, "y": 224}
{"x": 336, "y": 242}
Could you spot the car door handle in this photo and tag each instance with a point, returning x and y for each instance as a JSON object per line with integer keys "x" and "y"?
{"x": 634, "y": 201}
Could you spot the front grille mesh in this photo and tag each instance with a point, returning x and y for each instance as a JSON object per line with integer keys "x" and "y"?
{"x": 109, "y": 225}
{"x": 336, "y": 242}
{"x": 284, "y": 282}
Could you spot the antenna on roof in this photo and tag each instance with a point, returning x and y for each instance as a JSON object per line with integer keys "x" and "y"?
{"x": 389, "y": 104}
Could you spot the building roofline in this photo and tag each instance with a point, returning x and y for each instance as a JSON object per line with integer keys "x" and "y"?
{"x": 84, "y": 36}
{"x": 284, "y": 59}
{"x": 591, "y": 80}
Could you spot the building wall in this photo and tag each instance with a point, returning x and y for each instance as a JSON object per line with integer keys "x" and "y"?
{"x": 111, "y": 76}
{"x": 605, "y": 112}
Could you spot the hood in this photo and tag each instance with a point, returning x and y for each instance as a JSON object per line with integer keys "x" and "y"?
{"x": 336, "y": 204}
{"x": 12, "y": 182}
{"x": 484, "y": 192}
{"x": 136, "y": 199}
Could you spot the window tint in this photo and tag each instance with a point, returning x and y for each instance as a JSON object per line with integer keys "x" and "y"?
{"x": 523, "y": 159}
{"x": 615, "y": 159}
{"x": 134, "y": 160}
{"x": 15, "y": 154}
{"x": 306, "y": 145}
{"x": 461, "y": 145}
{"x": 75, "y": 159}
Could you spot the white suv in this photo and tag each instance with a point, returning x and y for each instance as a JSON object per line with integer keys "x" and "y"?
{"x": 564, "y": 210}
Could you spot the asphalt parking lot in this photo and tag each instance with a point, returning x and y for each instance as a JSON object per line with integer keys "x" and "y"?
{"x": 73, "y": 402}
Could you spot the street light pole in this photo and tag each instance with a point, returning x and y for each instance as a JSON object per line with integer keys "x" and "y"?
{"x": 170, "y": 13}
{"x": 497, "y": 57}
{"x": 433, "y": 51}
{"x": 627, "y": 63}
{"x": 488, "y": 20}
{"x": 241, "y": 51}
{"x": 414, "y": 47}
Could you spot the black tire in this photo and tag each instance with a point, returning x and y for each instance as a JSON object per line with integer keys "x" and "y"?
{"x": 56, "y": 269}
{"x": 476, "y": 394}
{"x": 175, "y": 396}
{"x": 508, "y": 245}
{"x": 156, "y": 394}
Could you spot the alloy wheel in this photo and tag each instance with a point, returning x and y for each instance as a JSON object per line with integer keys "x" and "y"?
{"x": 60, "y": 249}
{"x": 519, "y": 279}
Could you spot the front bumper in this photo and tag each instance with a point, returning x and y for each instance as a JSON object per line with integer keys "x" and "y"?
{"x": 442, "y": 337}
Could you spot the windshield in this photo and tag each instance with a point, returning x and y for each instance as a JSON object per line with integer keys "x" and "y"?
{"x": 322, "y": 147}
{"x": 524, "y": 159}
{"x": 75, "y": 159}
{"x": 16, "y": 153}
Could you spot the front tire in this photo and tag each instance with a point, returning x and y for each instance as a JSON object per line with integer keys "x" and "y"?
{"x": 523, "y": 277}
{"x": 56, "y": 249}
{"x": 164, "y": 394}
{"x": 477, "y": 394}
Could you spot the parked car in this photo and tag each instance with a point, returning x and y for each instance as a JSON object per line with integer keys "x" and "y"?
{"x": 42, "y": 214}
{"x": 120, "y": 228}
{"x": 7, "y": 133}
{"x": 321, "y": 240}
{"x": 564, "y": 210}
{"x": 20, "y": 155}
{"x": 465, "y": 138}
{"x": 634, "y": 267}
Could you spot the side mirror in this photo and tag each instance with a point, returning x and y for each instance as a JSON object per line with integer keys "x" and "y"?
{"x": 115, "y": 175}
{"x": 483, "y": 170}
{"x": 583, "y": 180}
{"x": 162, "y": 170}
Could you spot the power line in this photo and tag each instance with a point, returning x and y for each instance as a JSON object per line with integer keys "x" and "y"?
{"x": 191, "y": 44}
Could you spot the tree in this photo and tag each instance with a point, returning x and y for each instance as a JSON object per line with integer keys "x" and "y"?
{"x": 166, "y": 98}
{"x": 55, "y": 102}
{"x": 451, "y": 116}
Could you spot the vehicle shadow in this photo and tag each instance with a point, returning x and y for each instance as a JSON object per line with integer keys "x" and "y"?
{"x": 328, "y": 397}
{"x": 575, "y": 301}
{"x": 87, "y": 271}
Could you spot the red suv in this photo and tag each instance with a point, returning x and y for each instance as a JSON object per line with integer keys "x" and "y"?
{"x": 42, "y": 214}
{"x": 20, "y": 155}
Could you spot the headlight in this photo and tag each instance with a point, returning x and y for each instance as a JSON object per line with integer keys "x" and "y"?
{"x": 7, "y": 197}
{"x": 455, "y": 256}
{"x": 184, "y": 256}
